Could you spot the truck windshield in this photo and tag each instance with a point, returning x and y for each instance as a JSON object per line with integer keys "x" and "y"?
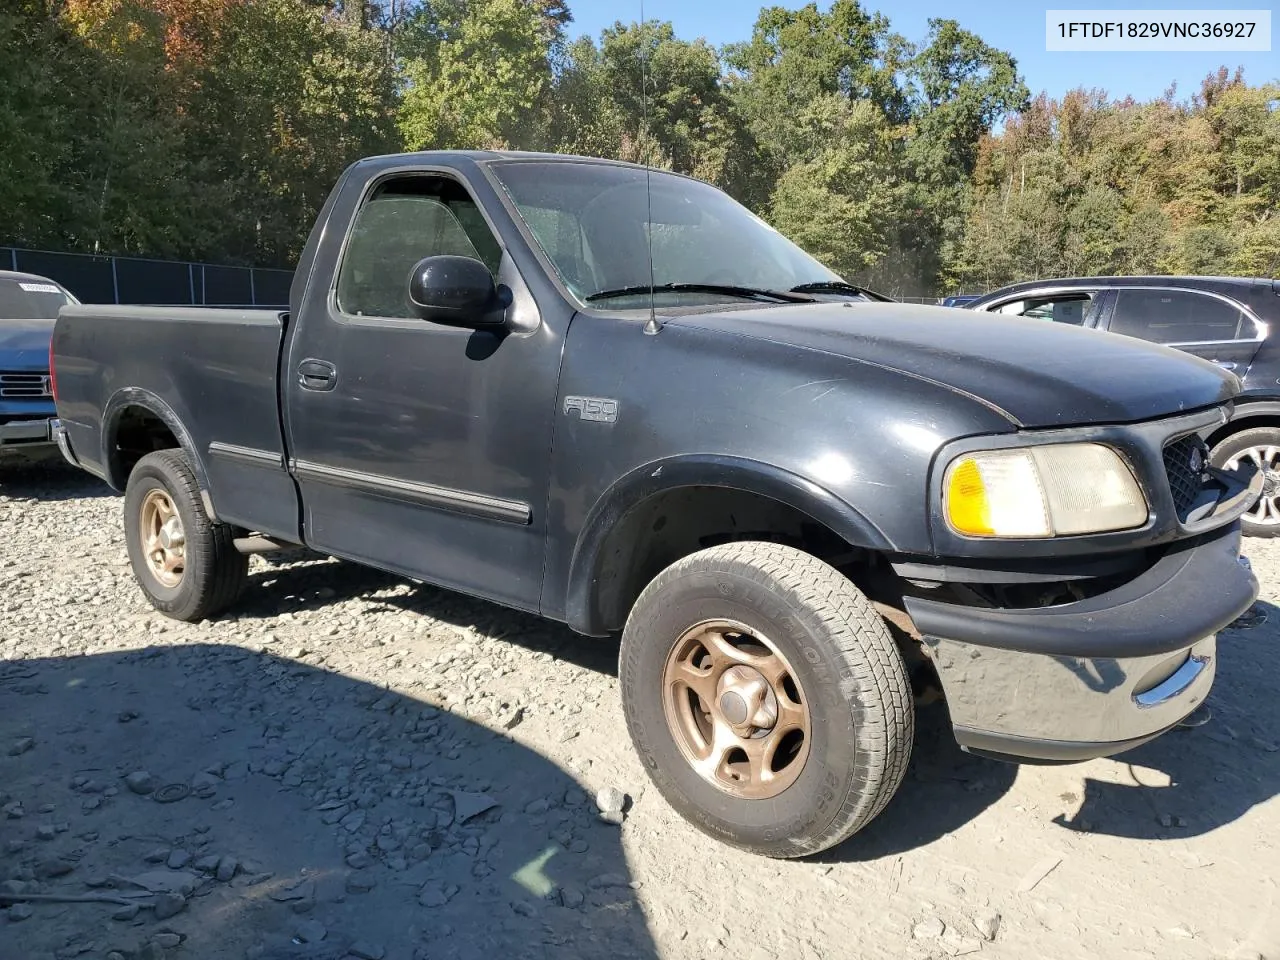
{"x": 30, "y": 299}
{"x": 597, "y": 222}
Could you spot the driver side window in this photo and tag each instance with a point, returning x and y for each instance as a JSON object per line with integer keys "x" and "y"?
{"x": 401, "y": 222}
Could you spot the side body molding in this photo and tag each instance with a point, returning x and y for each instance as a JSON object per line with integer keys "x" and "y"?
{"x": 582, "y": 607}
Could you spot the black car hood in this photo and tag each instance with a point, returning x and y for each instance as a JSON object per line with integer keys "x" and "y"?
{"x": 1039, "y": 373}
{"x": 24, "y": 344}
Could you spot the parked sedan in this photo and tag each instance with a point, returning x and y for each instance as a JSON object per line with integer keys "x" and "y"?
{"x": 1230, "y": 321}
{"x": 29, "y": 305}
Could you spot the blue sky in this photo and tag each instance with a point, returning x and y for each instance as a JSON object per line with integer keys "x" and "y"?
{"x": 1017, "y": 28}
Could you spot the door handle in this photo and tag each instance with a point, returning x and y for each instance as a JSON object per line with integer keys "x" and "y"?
{"x": 1226, "y": 364}
{"x": 317, "y": 375}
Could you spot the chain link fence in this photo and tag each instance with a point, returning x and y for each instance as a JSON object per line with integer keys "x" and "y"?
{"x": 938, "y": 299}
{"x": 136, "y": 280}
{"x": 101, "y": 279}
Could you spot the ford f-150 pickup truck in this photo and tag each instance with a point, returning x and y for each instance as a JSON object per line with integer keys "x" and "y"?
{"x": 613, "y": 397}
{"x": 28, "y": 307}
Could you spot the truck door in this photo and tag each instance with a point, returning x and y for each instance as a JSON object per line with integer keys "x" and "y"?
{"x": 421, "y": 448}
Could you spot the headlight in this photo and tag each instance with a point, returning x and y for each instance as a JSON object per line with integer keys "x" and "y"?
{"x": 1053, "y": 490}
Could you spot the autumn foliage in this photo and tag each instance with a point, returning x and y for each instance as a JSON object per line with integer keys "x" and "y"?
{"x": 213, "y": 129}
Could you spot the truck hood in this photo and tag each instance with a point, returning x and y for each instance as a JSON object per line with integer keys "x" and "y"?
{"x": 24, "y": 344}
{"x": 1038, "y": 373}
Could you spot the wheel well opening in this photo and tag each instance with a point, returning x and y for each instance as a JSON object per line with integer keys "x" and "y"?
{"x": 675, "y": 523}
{"x": 1239, "y": 426}
{"x": 138, "y": 431}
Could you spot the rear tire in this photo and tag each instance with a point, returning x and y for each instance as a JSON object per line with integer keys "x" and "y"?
{"x": 796, "y": 617}
{"x": 1260, "y": 446}
{"x": 192, "y": 579}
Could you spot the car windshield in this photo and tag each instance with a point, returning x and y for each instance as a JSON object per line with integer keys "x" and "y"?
{"x": 593, "y": 221}
{"x": 29, "y": 298}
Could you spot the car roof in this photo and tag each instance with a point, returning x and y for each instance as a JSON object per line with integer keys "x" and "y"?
{"x": 1149, "y": 280}
{"x": 19, "y": 275}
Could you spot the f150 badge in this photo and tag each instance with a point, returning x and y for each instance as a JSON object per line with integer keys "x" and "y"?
{"x": 598, "y": 409}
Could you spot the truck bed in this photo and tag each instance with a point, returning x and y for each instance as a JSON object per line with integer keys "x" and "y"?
{"x": 214, "y": 369}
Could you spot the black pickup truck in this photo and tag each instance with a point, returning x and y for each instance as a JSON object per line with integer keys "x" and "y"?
{"x": 616, "y": 398}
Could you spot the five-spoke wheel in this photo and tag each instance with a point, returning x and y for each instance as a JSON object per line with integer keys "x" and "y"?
{"x": 163, "y": 540}
{"x": 735, "y": 709}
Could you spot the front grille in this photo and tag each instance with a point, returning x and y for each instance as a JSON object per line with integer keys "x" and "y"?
{"x": 1185, "y": 460}
{"x": 24, "y": 386}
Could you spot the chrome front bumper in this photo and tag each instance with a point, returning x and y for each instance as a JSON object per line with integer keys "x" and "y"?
{"x": 1056, "y": 708}
{"x": 1095, "y": 677}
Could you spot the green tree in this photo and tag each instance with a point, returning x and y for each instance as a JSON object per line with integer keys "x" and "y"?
{"x": 290, "y": 96}
{"x": 959, "y": 88}
{"x": 1128, "y": 187}
{"x": 477, "y": 80}
{"x": 796, "y": 56}
{"x": 644, "y": 95}
{"x": 832, "y": 203}
{"x": 94, "y": 154}
{"x": 35, "y": 126}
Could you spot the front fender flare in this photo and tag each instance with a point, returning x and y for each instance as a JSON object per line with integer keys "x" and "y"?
{"x": 1246, "y": 408}
{"x": 582, "y": 610}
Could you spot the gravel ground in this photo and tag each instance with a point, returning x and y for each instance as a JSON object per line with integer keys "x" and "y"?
{"x": 352, "y": 765}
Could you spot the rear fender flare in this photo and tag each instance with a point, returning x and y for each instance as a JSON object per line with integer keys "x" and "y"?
{"x": 582, "y": 611}
{"x": 126, "y": 398}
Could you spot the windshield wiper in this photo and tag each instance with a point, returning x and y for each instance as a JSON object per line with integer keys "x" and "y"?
{"x": 834, "y": 286}
{"x": 746, "y": 293}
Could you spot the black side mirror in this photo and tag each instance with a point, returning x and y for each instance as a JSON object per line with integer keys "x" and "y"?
{"x": 458, "y": 291}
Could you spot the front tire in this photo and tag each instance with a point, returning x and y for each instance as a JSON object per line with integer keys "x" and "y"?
{"x": 187, "y": 565}
{"x": 1261, "y": 447}
{"x": 766, "y": 698}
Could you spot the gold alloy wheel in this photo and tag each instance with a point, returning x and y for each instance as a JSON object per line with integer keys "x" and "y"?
{"x": 162, "y": 537}
{"x": 735, "y": 709}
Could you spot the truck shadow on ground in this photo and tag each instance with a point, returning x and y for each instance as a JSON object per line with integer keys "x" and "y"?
{"x": 314, "y": 582}
{"x": 1192, "y": 781}
{"x": 1188, "y": 782}
{"x": 1203, "y": 778}
{"x": 49, "y": 479}
{"x": 945, "y": 788}
{"x": 246, "y": 806}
